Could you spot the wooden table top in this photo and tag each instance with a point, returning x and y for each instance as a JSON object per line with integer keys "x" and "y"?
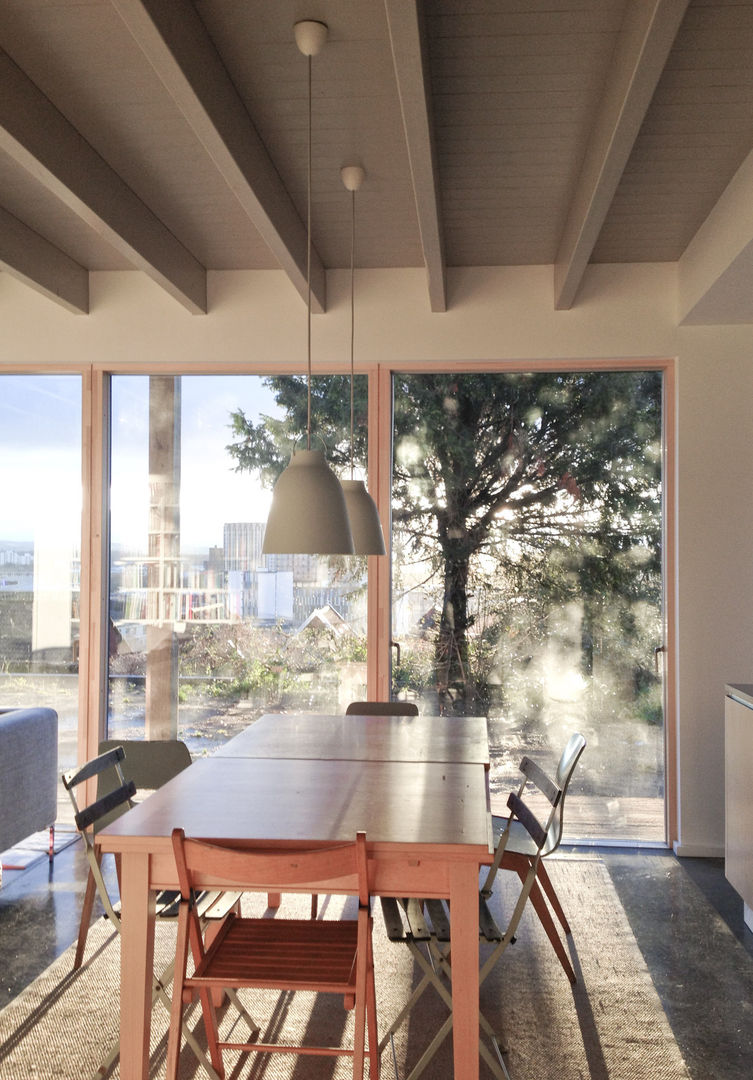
{"x": 302, "y": 801}
{"x": 363, "y": 738}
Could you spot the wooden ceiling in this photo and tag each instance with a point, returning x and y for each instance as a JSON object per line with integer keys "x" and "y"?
{"x": 170, "y": 136}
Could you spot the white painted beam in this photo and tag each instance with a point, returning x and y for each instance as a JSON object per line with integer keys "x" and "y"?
{"x": 715, "y": 271}
{"x": 174, "y": 40}
{"x": 408, "y": 55}
{"x": 39, "y": 264}
{"x": 40, "y": 139}
{"x": 645, "y": 39}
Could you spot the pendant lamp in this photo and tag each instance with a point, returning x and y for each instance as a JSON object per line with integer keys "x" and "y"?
{"x": 368, "y": 538}
{"x": 308, "y": 514}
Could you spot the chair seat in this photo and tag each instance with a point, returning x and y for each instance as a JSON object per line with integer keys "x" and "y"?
{"x": 270, "y": 952}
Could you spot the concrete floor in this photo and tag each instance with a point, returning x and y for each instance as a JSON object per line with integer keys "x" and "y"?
{"x": 686, "y": 919}
{"x": 688, "y": 922}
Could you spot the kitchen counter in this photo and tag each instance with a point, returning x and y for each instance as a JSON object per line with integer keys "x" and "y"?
{"x": 742, "y": 692}
{"x": 738, "y": 792}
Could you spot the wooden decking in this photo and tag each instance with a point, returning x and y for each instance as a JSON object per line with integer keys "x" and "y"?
{"x": 598, "y": 818}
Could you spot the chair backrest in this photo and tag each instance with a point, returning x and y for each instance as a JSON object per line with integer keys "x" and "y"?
{"x": 122, "y": 768}
{"x": 570, "y": 757}
{"x": 116, "y": 800}
{"x": 341, "y": 868}
{"x": 382, "y": 708}
{"x": 150, "y": 763}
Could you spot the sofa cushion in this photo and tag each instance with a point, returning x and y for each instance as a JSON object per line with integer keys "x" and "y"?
{"x": 28, "y": 773}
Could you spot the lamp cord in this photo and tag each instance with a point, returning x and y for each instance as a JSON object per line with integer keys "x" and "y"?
{"x": 352, "y": 316}
{"x": 308, "y": 271}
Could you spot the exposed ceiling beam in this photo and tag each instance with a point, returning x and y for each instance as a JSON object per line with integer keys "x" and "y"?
{"x": 40, "y": 139}
{"x": 646, "y": 37}
{"x": 715, "y": 271}
{"x": 29, "y": 257}
{"x": 408, "y": 54}
{"x": 174, "y": 40}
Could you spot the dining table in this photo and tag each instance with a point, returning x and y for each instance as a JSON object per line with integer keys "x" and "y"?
{"x": 400, "y": 738}
{"x": 425, "y": 813}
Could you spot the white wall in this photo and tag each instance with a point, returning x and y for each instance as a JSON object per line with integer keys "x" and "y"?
{"x": 494, "y": 314}
{"x": 715, "y": 563}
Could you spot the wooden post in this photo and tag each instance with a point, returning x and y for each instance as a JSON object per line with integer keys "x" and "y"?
{"x": 163, "y": 573}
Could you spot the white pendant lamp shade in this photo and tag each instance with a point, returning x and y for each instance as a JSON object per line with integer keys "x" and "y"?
{"x": 308, "y": 515}
{"x": 362, "y": 511}
{"x": 364, "y": 519}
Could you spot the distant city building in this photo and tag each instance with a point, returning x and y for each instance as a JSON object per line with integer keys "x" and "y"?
{"x": 274, "y": 596}
{"x": 241, "y": 542}
{"x": 233, "y": 582}
{"x": 16, "y": 558}
{"x": 215, "y": 567}
{"x": 304, "y": 568}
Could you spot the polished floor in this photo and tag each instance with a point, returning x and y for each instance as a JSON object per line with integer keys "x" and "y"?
{"x": 686, "y": 918}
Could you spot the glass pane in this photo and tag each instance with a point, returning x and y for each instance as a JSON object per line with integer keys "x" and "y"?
{"x": 206, "y": 632}
{"x": 40, "y": 551}
{"x": 527, "y": 584}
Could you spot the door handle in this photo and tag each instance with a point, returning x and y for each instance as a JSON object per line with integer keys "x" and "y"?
{"x": 396, "y": 645}
{"x": 657, "y": 650}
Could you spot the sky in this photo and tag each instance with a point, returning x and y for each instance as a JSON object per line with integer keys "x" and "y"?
{"x": 40, "y": 457}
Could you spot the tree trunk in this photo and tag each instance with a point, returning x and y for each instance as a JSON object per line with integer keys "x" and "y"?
{"x": 454, "y": 683}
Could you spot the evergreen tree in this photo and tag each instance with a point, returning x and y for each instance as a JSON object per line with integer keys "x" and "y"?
{"x": 551, "y": 478}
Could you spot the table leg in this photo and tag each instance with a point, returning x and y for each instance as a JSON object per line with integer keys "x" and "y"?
{"x": 465, "y": 963}
{"x": 136, "y": 966}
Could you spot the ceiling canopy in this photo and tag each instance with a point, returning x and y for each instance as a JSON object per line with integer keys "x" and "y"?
{"x": 171, "y": 138}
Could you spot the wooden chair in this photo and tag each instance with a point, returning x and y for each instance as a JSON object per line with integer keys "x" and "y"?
{"x": 519, "y": 850}
{"x": 426, "y": 924}
{"x": 382, "y": 708}
{"x": 115, "y": 795}
{"x": 325, "y": 956}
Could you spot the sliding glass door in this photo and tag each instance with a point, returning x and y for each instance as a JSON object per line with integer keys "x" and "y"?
{"x": 527, "y": 575}
{"x": 205, "y": 632}
{"x": 526, "y": 564}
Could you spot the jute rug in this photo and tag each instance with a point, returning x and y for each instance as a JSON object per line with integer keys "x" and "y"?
{"x": 611, "y": 1026}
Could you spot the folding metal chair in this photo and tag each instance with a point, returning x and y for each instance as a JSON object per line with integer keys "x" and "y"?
{"x": 423, "y": 924}
{"x": 115, "y": 795}
{"x": 147, "y": 764}
{"x": 519, "y": 850}
{"x": 382, "y": 708}
{"x": 325, "y": 956}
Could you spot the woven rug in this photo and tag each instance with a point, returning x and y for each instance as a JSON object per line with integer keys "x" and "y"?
{"x": 610, "y": 1026}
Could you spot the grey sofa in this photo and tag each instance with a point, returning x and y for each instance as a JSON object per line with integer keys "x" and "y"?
{"x": 28, "y": 772}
